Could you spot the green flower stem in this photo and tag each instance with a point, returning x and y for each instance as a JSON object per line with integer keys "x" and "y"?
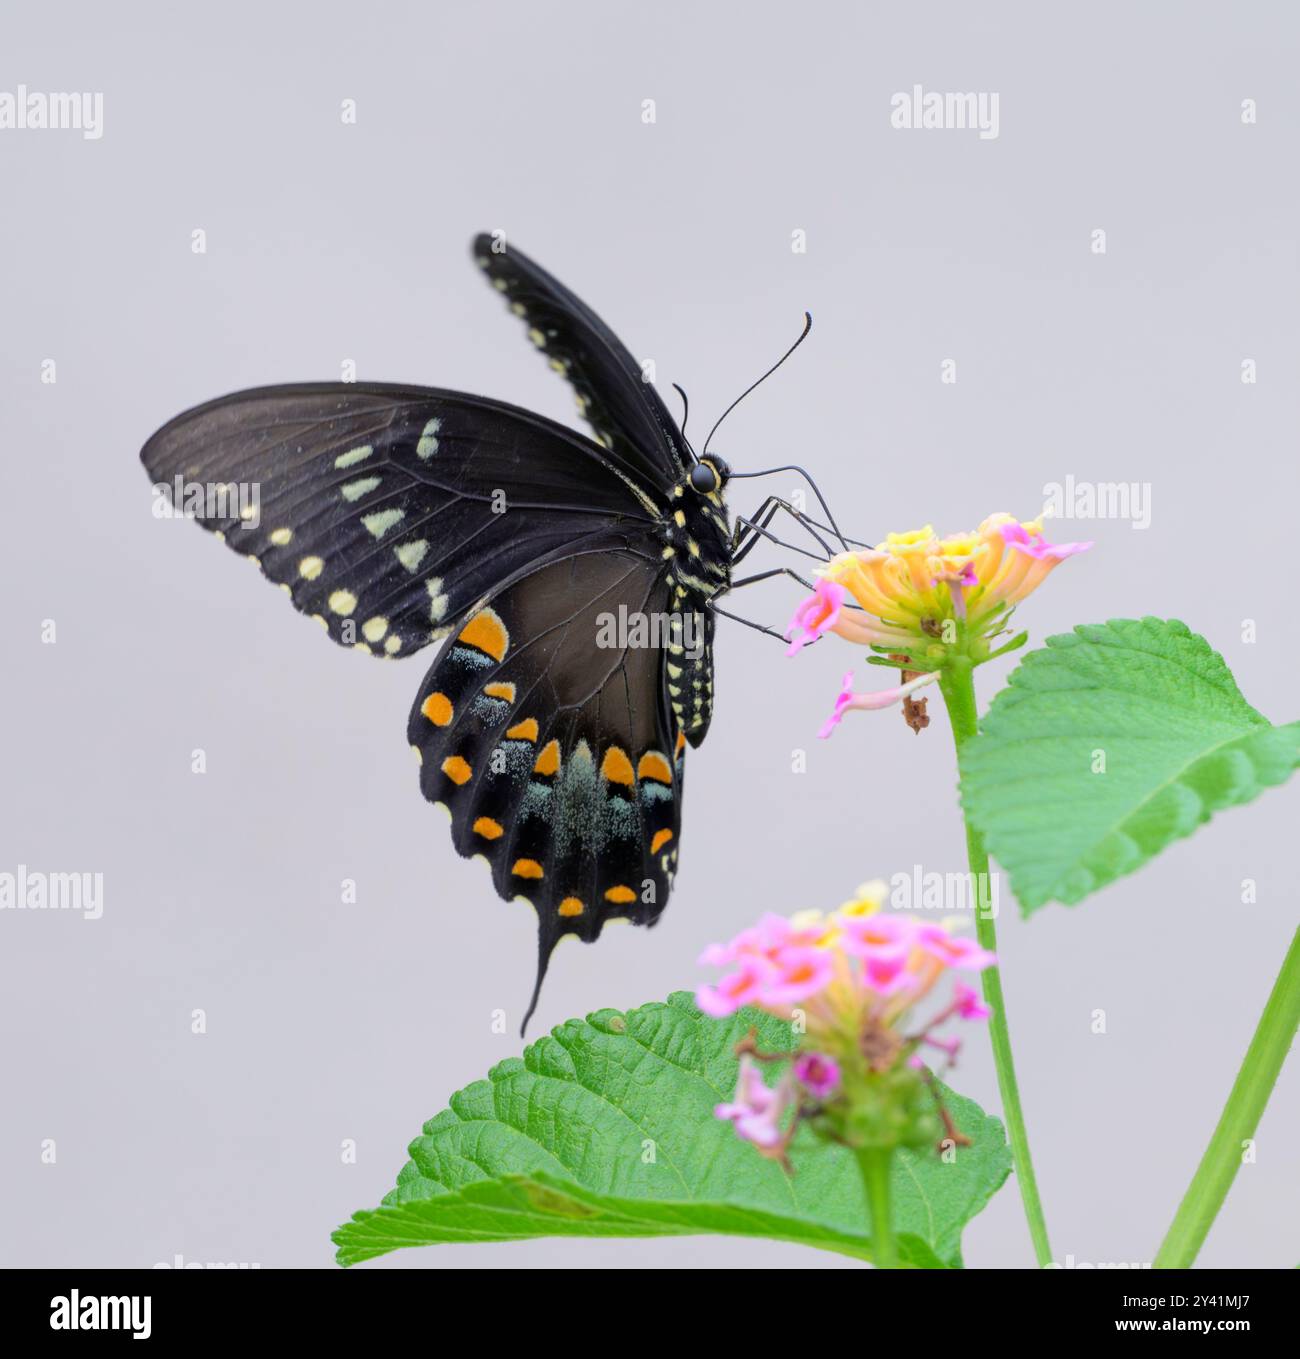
{"x": 1240, "y": 1117}
{"x": 957, "y": 685}
{"x": 875, "y": 1166}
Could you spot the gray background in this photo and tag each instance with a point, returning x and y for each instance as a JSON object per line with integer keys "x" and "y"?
{"x": 328, "y": 242}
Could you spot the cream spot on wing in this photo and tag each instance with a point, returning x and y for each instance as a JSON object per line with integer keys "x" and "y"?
{"x": 437, "y": 600}
{"x": 321, "y": 620}
{"x": 439, "y": 634}
{"x": 342, "y": 602}
{"x": 428, "y": 444}
{"x": 282, "y": 537}
{"x": 373, "y": 629}
{"x": 354, "y": 490}
{"x": 392, "y": 644}
{"x": 353, "y": 457}
{"x": 361, "y": 646}
{"x": 219, "y": 536}
{"x": 418, "y": 753}
{"x": 412, "y": 554}
{"x": 381, "y": 521}
{"x": 310, "y": 567}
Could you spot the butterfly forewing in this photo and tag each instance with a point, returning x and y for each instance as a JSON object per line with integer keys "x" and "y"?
{"x": 612, "y": 393}
{"x": 385, "y": 511}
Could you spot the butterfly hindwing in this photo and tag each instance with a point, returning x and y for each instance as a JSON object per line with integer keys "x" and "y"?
{"x": 384, "y": 511}
{"x": 547, "y": 735}
{"x": 612, "y": 392}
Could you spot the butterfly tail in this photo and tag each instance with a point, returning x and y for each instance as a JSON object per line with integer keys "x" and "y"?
{"x": 545, "y": 947}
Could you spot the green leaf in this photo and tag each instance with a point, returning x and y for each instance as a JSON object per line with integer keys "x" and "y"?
{"x": 1178, "y": 740}
{"x": 606, "y": 1128}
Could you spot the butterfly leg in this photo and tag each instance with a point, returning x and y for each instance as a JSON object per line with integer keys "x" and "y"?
{"x": 749, "y": 623}
{"x": 753, "y": 580}
{"x": 748, "y": 528}
{"x": 760, "y": 530}
{"x": 767, "y": 575}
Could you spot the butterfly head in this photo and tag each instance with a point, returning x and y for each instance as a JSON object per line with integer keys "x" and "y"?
{"x": 709, "y": 475}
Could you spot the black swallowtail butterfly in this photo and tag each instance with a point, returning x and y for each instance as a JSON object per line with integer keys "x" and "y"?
{"x": 569, "y": 583}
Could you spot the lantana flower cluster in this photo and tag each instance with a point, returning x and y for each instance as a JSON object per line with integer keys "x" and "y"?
{"x": 920, "y": 599}
{"x": 848, "y": 982}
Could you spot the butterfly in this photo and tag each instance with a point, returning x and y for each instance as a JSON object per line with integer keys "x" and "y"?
{"x": 569, "y": 584}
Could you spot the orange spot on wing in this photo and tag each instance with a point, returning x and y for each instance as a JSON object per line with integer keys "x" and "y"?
{"x": 620, "y": 895}
{"x": 523, "y": 731}
{"x": 500, "y": 690}
{"x": 527, "y": 868}
{"x": 457, "y": 769}
{"x": 487, "y": 632}
{"x": 437, "y": 708}
{"x": 548, "y": 762}
{"x": 653, "y": 765}
{"x": 488, "y": 829}
{"x": 681, "y": 743}
{"x": 616, "y": 766}
{"x": 571, "y": 906}
{"x": 661, "y": 839}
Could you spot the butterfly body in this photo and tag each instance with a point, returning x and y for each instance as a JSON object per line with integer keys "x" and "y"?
{"x": 697, "y": 559}
{"x": 566, "y": 582}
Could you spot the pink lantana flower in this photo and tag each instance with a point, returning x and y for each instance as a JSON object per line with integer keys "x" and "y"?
{"x": 1030, "y": 541}
{"x": 969, "y": 1003}
{"x": 817, "y": 615}
{"x": 919, "y": 598}
{"x": 745, "y": 986}
{"x": 756, "y": 1110}
{"x": 819, "y": 1075}
{"x": 849, "y": 981}
{"x": 883, "y": 698}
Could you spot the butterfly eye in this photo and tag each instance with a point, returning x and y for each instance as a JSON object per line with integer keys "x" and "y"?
{"x": 703, "y": 478}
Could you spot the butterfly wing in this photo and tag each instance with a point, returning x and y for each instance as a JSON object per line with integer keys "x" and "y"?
{"x": 625, "y": 410}
{"x": 546, "y": 732}
{"x": 386, "y": 512}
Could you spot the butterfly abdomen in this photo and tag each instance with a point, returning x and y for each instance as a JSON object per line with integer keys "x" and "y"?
{"x": 697, "y": 563}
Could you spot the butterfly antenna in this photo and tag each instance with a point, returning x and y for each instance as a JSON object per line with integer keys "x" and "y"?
{"x": 807, "y": 326}
{"x": 686, "y": 415}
